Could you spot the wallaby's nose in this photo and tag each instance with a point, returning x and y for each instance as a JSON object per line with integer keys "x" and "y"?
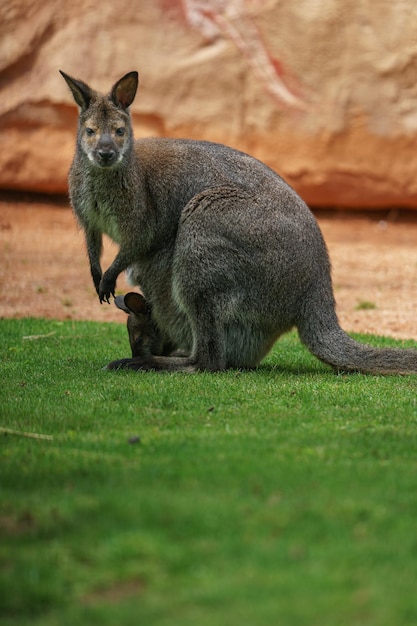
{"x": 106, "y": 154}
{"x": 105, "y": 150}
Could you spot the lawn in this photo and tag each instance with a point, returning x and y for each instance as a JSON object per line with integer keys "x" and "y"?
{"x": 283, "y": 496}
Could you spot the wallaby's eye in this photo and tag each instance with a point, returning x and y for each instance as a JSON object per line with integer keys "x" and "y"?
{"x": 90, "y": 131}
{"x": 120, "y": 131}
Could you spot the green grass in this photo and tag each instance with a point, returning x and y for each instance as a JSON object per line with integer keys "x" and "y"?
{"x": 365, "y": 305}
{"x": 285, "y": 496}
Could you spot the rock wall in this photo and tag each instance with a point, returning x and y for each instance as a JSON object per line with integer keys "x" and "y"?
{"x": 324, "y": 91}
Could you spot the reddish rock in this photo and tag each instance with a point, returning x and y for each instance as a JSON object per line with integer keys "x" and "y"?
{"x": 324, "y": 91}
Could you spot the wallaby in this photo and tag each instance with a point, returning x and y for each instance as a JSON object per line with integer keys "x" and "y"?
{"x": 144, "y": 337}
{"x": 227, "y": 254}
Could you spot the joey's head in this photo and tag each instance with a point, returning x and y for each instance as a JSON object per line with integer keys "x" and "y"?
{"x": 140, "y": 328}
{"x": 105, "y": 133}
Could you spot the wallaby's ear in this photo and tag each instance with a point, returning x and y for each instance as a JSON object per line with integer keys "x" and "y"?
{"x": 81, "y": 92}
{"x": 132, "y": 302}
{"x": 124, "y": 91}
{"x": 136, "y": 303}
{"x": 119, "y": 301}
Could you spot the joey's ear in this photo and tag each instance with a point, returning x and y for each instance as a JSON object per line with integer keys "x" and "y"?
{"x": 124, "y": 91}
{"x": 81, "y": 92}
{"x": 119, "y": 301}
{"x": 136, "y": 303}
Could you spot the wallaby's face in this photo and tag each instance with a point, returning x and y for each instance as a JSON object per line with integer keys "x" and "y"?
{"x": 104, "y": 134}
{"x": 105, "y": 131}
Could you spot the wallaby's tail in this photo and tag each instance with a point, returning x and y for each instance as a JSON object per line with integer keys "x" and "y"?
{"x": 320, "y": 331}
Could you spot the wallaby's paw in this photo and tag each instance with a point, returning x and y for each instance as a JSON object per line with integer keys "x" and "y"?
{"x": 106, "y": 290}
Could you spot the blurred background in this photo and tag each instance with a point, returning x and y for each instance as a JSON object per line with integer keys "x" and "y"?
{"x": 323, "y": 91}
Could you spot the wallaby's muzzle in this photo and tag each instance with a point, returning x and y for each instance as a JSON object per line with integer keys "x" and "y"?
{"x": 106, "y": 153}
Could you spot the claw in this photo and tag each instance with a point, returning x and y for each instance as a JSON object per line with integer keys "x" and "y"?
{"x": 105, "y": 297}
{"x": 106, "y": 290}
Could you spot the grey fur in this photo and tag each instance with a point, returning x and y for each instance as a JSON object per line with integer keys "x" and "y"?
{"x": 226, "y": 253}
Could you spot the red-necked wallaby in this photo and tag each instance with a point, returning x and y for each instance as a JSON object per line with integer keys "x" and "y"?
{"x": 226, "y": 253}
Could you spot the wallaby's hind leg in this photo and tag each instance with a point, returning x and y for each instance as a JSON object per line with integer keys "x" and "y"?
{"x": 208, "y": 351}
{"x": 225, "y": 297}
{"x": 215, "y": 284}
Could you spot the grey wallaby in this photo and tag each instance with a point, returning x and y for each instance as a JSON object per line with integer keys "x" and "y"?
{"x": 228, "y": 256}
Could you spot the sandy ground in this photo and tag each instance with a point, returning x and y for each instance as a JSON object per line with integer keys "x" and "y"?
{"x": 44, "y": 269}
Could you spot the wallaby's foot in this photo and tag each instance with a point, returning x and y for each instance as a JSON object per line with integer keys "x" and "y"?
{"x": 154, "y": 363}
{"x": 122, "y": 364}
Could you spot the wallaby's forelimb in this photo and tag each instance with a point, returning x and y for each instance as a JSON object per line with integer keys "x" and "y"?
{"x": 104, "y": 146}
{"x": 94, "y": 242}
{"x": 108, "y": 281}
